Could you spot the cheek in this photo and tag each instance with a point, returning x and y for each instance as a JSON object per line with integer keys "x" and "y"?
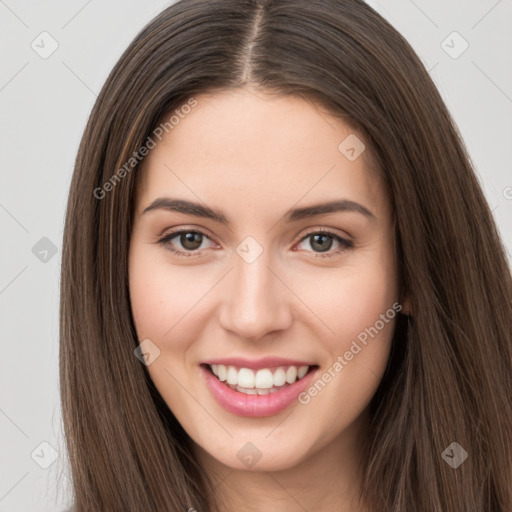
{"x": 161, "y": 300}
{"x": 365, "y": 299}
{"x": 363, "y": 321}
{"x": 353, "y": 299}
{"x": 155, "y": 294}
{"x": 165, "y": 298}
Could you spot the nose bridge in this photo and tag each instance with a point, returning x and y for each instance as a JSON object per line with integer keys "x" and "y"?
{"x": 256, "y": 302}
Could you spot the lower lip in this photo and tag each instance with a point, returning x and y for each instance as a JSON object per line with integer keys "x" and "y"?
{"x": 255, "y": 406}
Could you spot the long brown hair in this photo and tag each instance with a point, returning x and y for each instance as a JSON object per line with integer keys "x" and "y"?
{"x": 449, "y": 374}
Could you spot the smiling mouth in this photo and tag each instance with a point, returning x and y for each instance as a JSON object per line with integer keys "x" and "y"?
{"x": 258, "y": 382}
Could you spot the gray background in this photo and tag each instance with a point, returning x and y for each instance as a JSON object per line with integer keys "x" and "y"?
{"x": 44, "y": 104}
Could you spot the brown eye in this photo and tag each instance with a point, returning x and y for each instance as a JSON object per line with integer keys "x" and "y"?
{"x": 322, "y": 242}
{"x": 189, "y": 240}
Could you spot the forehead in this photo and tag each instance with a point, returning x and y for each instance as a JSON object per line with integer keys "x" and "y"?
{"x": 261, "y": 153}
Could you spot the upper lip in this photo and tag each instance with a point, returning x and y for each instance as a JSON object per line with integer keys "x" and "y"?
{"x": 256, "y": 364}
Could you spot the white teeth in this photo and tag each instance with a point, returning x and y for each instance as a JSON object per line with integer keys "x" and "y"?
{"x": 264, "y": 379}
{"x": 302, "y": 371}
{"x": 248, "y": 391}
{"x": 246, "y": 378}
{"x": 260, "y": 381}
{"x": 291, "y": 374}
{"x": 279, "y": 377}
{"x": 222, "y": 372}
{"x": 232, "y": 375}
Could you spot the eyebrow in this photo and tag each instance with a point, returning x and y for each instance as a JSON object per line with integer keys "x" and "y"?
{"x": 200, "y": 210}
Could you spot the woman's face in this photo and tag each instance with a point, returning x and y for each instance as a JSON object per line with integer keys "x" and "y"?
{"x": 266, "y": 288}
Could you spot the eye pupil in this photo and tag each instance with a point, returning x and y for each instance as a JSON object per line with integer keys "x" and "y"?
{"x": 322, "y": 245}
{"x": 191, "y": 241}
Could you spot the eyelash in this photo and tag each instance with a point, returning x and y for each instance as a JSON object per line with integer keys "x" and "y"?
{"x": 345, "y": 244}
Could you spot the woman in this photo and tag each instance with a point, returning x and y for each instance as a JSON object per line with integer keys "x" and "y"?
{"x": 282, "y": 287}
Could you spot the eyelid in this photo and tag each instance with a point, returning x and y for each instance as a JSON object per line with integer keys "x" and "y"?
{"x": 330, "y": 231}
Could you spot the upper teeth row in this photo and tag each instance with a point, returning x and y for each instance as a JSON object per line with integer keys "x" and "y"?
{"x": 262, "y": 379}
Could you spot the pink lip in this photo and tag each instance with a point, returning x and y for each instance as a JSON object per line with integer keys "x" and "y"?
{"x": 265, "y": 362}
{"x": 255, "y": 406}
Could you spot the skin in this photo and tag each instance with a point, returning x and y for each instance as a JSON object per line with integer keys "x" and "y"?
{"x": 254, "y": 157}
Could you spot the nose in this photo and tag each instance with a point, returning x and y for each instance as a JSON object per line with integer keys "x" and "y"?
{"x": 257, "y": 300}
